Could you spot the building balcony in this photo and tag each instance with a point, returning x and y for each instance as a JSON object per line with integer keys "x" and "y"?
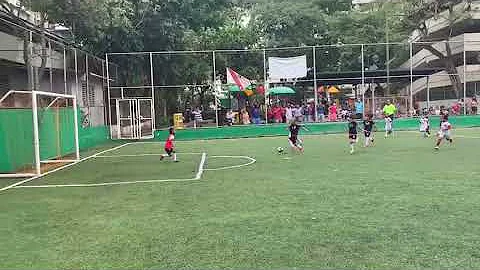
{"x": 441, "y": 80}
{"x": 438, "y": 27}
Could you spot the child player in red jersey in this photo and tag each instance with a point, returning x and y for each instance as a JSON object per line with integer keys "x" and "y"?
{"x": 170, "y": 146}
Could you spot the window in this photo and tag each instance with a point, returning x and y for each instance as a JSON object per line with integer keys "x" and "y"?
{"x": 91, "y": 96}
{"x": 84, "y": 94}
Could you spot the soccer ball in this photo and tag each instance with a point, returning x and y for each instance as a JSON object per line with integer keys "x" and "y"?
{"x": 280, "y": 150}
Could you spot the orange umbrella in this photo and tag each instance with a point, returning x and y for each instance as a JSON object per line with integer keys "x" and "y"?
{"x": 333, "y": 90}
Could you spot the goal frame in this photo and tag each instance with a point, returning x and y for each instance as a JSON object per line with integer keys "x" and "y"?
{"x": 36, "y": 135}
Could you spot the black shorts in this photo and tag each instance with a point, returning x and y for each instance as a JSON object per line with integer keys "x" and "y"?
{"x": 352, "y": 136}
{"x": 293, "y": 141}
{"x": 367, "y": 133}
{"x": 169, "y": 151}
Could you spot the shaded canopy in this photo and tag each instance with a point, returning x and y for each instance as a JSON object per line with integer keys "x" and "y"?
{"x": 234, "y": 88}
{"x": 282, "y": 90}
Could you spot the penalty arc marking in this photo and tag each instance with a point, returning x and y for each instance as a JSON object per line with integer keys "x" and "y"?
{"x": 250, "y": 162}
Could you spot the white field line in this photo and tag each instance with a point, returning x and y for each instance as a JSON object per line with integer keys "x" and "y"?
{"x": 252, "y": 160}
{"x": 197, "y": 177}
{"x": 466, "y": 137}
{"x": 58, "y": 161}
{"x": 201, "y": 167}
{"x": 142, "y": 155}
{"x": 454, "y": 135}
{"x": 108, "y": 184}
{"x": 61, "y": 168}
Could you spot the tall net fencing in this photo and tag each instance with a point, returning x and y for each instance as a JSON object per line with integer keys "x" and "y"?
{"x": 225, "y": 87}
{"x": 241, "y": 102}
{"x": 35, "y": 60}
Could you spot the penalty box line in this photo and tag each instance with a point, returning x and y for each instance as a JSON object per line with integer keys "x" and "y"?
{"x": 198, "y": 177}
{"x": 143, "y": 155}
{"x": 18, "y": 184}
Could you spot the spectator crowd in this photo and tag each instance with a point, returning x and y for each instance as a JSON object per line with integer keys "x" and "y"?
{"x": 326, "y": 111}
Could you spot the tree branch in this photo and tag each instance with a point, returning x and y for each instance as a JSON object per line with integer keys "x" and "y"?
{"x": 7, "y": 7}
{"x": 432, "y": 50}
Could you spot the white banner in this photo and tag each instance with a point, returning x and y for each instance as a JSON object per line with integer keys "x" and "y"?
{"x": 287, "y": 68}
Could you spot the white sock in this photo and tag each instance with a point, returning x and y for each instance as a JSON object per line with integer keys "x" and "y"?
{"x": 174, "y": 156}
{"x": 367, "y": 141}
{"x": 352, "y": 147}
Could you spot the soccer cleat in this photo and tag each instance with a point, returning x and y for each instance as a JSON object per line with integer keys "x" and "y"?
{"x": 436, "y": 147}
{"x": 352, "y": 151}
{"x": 162, "y": 157}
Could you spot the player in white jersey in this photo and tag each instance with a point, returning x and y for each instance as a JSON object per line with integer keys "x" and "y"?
{"x": 445, "y": 132}
{"x": 388, "y": 126}
{"x": 425, "y": 126}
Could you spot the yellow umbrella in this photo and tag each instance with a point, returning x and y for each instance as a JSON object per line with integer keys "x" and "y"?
{"x": 333, "y": 90}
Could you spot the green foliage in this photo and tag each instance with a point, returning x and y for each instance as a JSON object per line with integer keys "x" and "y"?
{"x": 161, "y": 25}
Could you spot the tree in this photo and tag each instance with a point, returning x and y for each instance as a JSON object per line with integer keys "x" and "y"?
{"x": 452, "y": 12}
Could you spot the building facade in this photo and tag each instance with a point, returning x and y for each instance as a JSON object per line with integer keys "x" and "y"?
{"x": 57, "y": 66}
{"x": 454, "y": 42}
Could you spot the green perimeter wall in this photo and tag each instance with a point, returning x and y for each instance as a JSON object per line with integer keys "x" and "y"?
{"x": 56, "y": 136}
{"x": 315, "y": 128}
{"x": 56, "y": 130}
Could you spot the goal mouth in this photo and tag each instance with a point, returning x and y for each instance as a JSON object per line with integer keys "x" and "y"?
{"x": 42, "y": 132}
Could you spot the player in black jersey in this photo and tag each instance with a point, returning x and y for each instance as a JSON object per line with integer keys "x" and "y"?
{"x": 368, "y": 129}
{"x": 352, "y": 134}
{"x": 295, "y": 142}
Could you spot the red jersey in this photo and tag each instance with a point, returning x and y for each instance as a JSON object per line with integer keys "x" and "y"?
{"x": 169, "y": 142}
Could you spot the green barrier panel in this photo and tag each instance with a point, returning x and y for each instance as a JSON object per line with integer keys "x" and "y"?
{"x": 252, "y": 131}
{"x": 16, "y": 139}
{"x": 56, "y": 135}
{"x": 93, "y": 136}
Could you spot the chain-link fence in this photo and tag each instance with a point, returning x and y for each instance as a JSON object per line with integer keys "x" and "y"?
{"x": 38, "y": 59}
{"x": 225, "y": 87}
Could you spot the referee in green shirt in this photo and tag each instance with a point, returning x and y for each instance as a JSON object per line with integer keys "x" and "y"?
{"x": 389, "y": 110}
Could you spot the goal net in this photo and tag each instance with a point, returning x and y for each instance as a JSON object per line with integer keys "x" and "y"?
{"x": 39, "y": 132}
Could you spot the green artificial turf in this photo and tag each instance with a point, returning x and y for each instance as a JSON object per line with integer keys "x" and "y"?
{"x": 398, "y": 205}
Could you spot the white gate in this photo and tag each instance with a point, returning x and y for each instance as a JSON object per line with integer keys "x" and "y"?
{"x": 135, "y": 118}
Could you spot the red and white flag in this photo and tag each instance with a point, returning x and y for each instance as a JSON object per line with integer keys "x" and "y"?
{"x": 237, "y": 79}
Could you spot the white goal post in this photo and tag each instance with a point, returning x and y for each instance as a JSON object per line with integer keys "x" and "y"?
{"x": 54, "y": 107}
